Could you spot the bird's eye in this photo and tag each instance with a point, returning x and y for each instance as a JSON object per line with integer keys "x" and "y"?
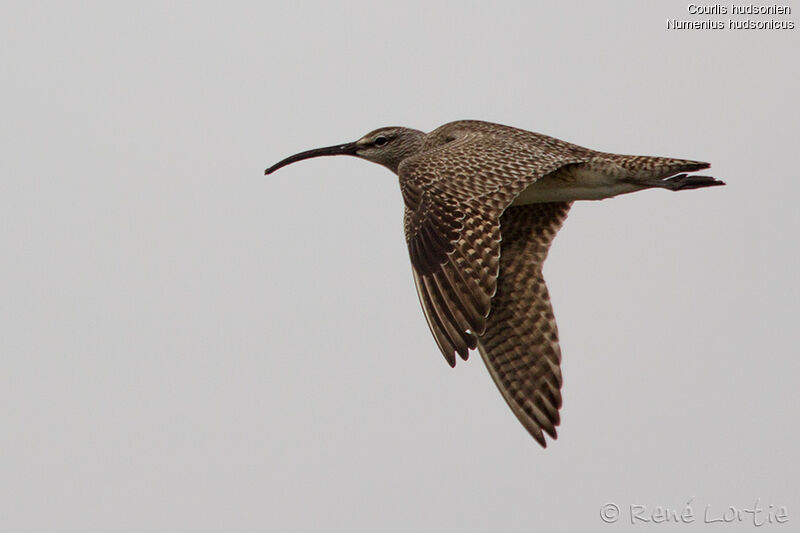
{"x": 380, "y": 141}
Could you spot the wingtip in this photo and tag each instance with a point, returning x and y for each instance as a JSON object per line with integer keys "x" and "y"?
{"x": 463, "y": 353}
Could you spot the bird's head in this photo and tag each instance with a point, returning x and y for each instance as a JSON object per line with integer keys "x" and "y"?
{"x": 386, "y": 146}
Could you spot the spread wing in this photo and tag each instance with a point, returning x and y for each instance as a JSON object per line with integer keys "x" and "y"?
{"x": 520, "y": 345}
{"x": 454, "y": 195}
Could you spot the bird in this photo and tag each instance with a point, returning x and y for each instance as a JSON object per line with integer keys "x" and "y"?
{"x": 483, "y": 202}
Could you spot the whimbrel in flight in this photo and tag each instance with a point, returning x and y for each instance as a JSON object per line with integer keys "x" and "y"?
{"x": 482, "y": 205}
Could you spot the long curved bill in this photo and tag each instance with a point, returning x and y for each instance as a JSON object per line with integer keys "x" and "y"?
{"x": 339, "y": 149}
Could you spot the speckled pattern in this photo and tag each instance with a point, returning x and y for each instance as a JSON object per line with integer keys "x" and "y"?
{"x": 520, "y": 345}
{"x": 455, "y": 191}
{"x": 477, "y": 259}
{"x": 477, "y": 262}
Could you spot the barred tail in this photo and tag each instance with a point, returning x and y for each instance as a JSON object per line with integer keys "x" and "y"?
{"x": 643, "y": 166}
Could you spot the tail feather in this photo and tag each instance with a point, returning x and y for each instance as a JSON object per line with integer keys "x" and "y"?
{"x": 643, "y": 166}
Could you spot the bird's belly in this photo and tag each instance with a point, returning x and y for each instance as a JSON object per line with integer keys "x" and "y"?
{"x": 568, "y": 186}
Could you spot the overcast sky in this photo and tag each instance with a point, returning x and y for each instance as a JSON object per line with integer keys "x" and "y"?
{"x": 188, "y": 345}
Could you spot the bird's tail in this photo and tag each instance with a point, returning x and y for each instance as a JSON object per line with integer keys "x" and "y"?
{"x": 665, "y": 172}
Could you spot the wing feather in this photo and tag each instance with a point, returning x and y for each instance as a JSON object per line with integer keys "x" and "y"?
{"x": 454, "y": 193}
{"x": 520, "y": 346}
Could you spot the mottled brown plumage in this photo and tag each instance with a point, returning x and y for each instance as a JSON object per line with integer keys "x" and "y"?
{"x": 483, "y": 203}
{"x": 520, "y": 345}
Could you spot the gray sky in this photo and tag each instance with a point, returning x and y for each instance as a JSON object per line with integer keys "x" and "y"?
{"x": 187, "y": 345}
